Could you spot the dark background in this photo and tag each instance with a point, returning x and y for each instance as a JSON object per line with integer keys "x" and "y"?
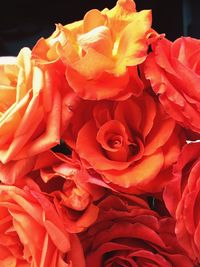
{"x": 23, "y": 22}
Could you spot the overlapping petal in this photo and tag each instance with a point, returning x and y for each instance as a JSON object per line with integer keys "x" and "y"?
{"x": 102, "y": 52}
{"x": 32, "y": 233}
{"x": 182, "y": 199}
{"x": 32, "y": 116}
{"x": 173, "y": 71}
{"x": 128, "y": 233}
{"x": 126, "y": 142}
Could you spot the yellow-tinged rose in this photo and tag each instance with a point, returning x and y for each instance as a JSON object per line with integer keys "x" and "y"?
{"x": 32, "y": 97}
{"x": 102, "y": 52}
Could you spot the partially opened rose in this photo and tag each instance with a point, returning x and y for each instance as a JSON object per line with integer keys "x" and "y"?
{"x": 131, "y": 144}
{"x": 129, "y": 234}
{"x": 173, "y": 69}
{"x": 32, "y": 234}
{"x": 32, "y": 113}
{"x": 65, "y": 181}
{"x": 182, "y": 197}
{"x": 102, "y": 51}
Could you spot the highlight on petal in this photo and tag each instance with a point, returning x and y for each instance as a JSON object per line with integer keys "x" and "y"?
{"x": 135, "y": 175}
{"x": 101, "y": 47}
{"x": 93, "y": 19}
{"x": 132, "y": 48}
{"x": 21, "y": 216}
{"x": 127, "y": 143}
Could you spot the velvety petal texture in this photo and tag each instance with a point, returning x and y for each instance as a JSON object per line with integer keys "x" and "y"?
{"x": 182, "y": 198}
{"x": 129, "y": 143}
{"x": 127, "y": 233}
{"x": 174, "y": 72}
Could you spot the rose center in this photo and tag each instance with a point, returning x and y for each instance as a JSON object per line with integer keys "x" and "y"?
{"x": 115, "y": 141}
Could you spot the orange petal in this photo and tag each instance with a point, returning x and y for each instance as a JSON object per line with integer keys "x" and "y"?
{"x": 93, "y": 19}
{"x": 24, "y": 226}
{"x": 111, "y": 127}
{"x": 92, "y": 89}
{"x": 99, "y": 39}
{"x": 11, "y": 118}
{"x": 21, "y": 138}
{"x": 76, "y": 254}
{"x": 50, "y": 137}
{"x": 129, "y": 114}
{"x": 162, "y": 130}
{"x": 132, "y": 49}
{"x": 90, "y": 150}
{"x": 137, "y": 174}
{"x": 121, "y": 15}
{"x": 149, "y": 114}
{"x": 14, "y": 170}
{"x": 40, "y": 49}
{"x": 93, "y": 64}
{"x": 60, "y": 239}
{"x": 9, "y": 261}
{"x": 171, "y": 149}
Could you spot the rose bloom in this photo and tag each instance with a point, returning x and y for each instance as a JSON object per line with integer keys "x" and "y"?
{"x": 131, "y": 144}
{"x": 32, "y": 233}
{"x": 182, "y": 199}
{"x": 128, "y": 233}
{"x": 65, "y": 182}
{"x": 173, "y": 70}
{"x": 102, "y": 51}
{"x": 32, "y": 114}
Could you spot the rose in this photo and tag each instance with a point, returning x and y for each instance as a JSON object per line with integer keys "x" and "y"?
{"x": 32, "y": 233}
{"x": 65, "y": 181}
{"x": 131, "y": 144}
{"x": 128, "y": 233}
{"x": 33, "y": 106}
{"x": 173, "y": 70}
{"x": 182, "y": 199}
{"x": 102, "y": 51}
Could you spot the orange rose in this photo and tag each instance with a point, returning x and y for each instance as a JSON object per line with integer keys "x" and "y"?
{"x": 131, "y": 144}
{"x": 173, "y": 70}
{"x": 31, "y": 106}
{"x": 32, "y": 234}
{"x": 102, "y": 51}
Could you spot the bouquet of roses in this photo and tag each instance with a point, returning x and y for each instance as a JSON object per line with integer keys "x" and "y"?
{"x": 99, "y": 151}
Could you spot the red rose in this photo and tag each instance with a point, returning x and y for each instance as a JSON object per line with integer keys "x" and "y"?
{"x": 173, "y": 70}
{"x": 128, "y": 233}
{"x": 182, "y": 199}
{"x": 131, "y": 144}
{"x": 32, "y": 233}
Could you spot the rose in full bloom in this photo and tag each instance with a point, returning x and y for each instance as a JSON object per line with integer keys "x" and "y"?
{"x": 131, "y": 144}
{"x": 33, "y": 106}
{"x": 32, "y": 233}
{"x": 102, "y": 52}
{"x": 65, "y": 182}
{"x": 182, "y": 199}
{"x": 127, "y": 233}
{"x": 173, "y": 69}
